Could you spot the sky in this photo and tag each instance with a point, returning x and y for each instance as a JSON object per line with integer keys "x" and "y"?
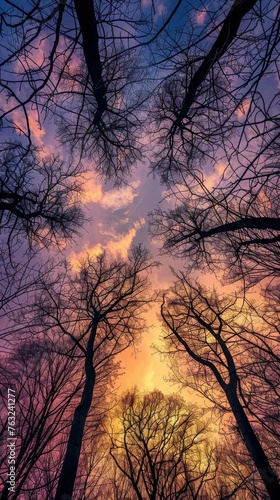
{"x": 119, "y": 219}
{"x": 119, "y": 216}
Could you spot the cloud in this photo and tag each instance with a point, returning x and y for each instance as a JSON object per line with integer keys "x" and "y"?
{"x": 158, "y": 8}
{"x": 114, "y": 199}
{"x": 264, "y": 202}
{"x": 120, "y": 198}
{"x": 92, "y": 190}
{"x": 36, "y": 57}
{"x": 36, "y": 129}
{"x": 200, "y": 17}
{"x": 211, "y": 179}
{"x": 243, "y": 109}
{"x": 120, "y": 246}
{"x": 93, "y": 252}
{"x": 117, "y": 246}
{"x": 37, "y": 54}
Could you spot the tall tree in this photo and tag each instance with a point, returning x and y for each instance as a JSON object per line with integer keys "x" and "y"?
{"x": 76, "y": 62}
{"x": 206, "y": 327}
{"x": 218, "y": 142}
{"x": 99, "y": 313}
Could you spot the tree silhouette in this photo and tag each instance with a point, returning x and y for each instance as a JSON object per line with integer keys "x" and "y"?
{"x": 98, "y": 314}
{"x": 217, "y": 133}
{"x": 37, "y": 198}
{"x": 214, "y": 71}
{"x": 40, "y": 208}
{"x": 205, "y": 327}
{"x": 234, "y": 227}
{"x": 83, "y": 74}
{"x": 43, "y": 383}
{"x": 159, "y": 444}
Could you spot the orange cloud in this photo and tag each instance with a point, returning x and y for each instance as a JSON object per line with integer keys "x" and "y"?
{"x": 92, "y": 190}
{"x": 243, "y": 109}
{"x": 121, "y": 246}
{"x": 93, "y": 252}
{"x": 117, "y": 246}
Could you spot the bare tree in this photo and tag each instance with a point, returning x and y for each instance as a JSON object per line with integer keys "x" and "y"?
{"x": 214, "y": 65}
{"x": 205, "y": 327}
{"x": 47, "y": 382}
{"x": 38, "y": 198}
{"x": 84, "y": 74}
{"x": 233, "y": 227}
{"x": 40, "y": 207}
{"x": 218, "y": 141}
{"x": 99, "y": 313}
{"x": 43, "y": 384}
{"x": 261, "y": 372}
{"x": 159, "y": 443}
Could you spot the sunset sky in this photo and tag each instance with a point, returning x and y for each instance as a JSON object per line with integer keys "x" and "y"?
{"x": 119, "y": 216}
{"x": 124, "y": 124}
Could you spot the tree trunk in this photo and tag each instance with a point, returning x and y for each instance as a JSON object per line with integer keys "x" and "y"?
{"x": 254, "y": 447}
{"x": 225, "y": 38}
{"x": 90, "y": 43}
{"x": 71, "y": 460}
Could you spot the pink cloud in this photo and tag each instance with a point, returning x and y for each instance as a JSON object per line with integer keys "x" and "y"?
{"x": 200, "y": 17}
{"x": 36, "y": 129}
{"x": 120, "y": 198}
{"x": 114, "y": 199}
